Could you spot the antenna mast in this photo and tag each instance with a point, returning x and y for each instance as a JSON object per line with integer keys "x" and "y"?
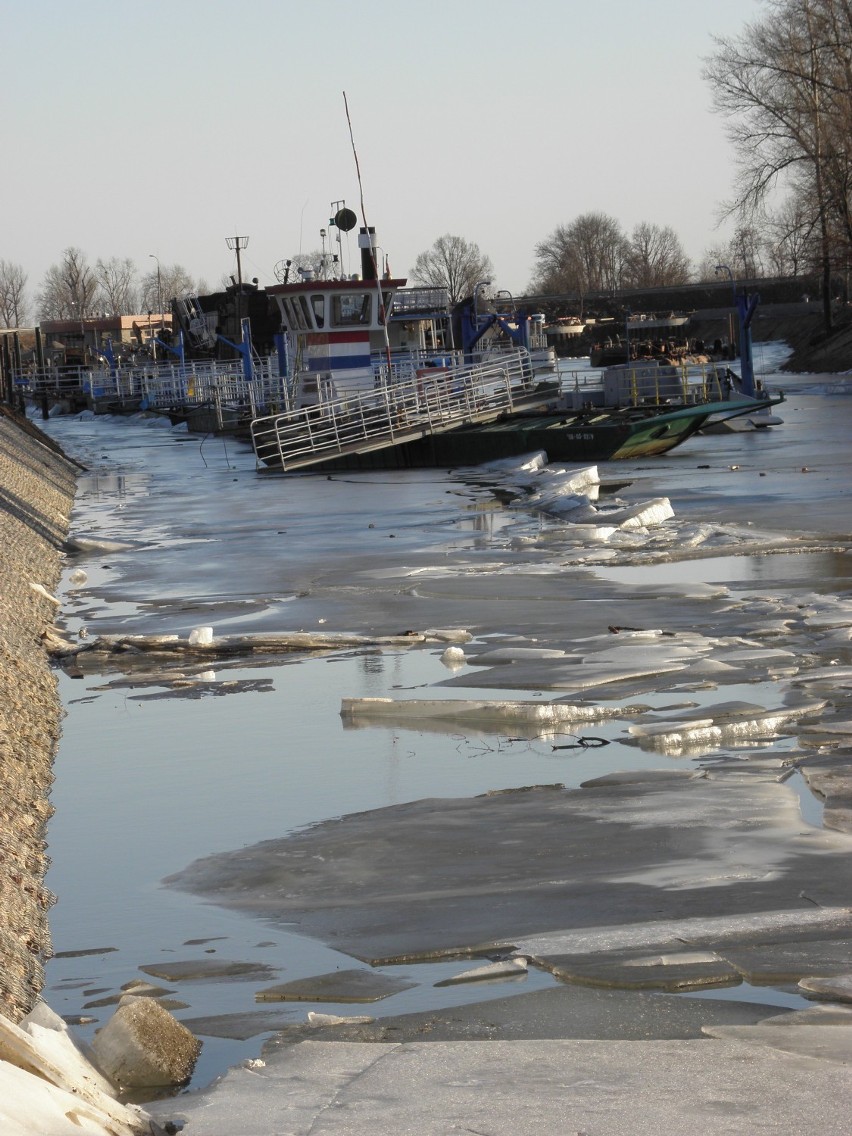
{"x": 382, "y": 312}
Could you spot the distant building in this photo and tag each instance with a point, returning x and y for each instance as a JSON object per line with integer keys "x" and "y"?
{"x": 81, "y": 343}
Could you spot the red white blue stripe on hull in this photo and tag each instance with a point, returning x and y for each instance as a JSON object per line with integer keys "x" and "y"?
{"x": 337, "y": 351}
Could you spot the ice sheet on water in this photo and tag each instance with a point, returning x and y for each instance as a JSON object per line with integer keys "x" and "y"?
{"x": 81, "y": 543}
{"x": 448, "y": 634}
{"x": 567, "y": 493}
{"x": 623, "y": 662}
{"x": 647, "y": 514}
{"x": 429, "y": 571}
{"x": 513, "y": 654}
{"x": 575, "y": 507}
{"x": 566, "y": 504}
{"x": 828, "y": 613}
{"x": 523, "y": 463}
{"x": 836, "y": 640}
{"x": 838, "y": 674}
{"x": 466, "y": 710}
{"x": 563, "y": 501}
{"x": 732, "y": 714}
{"x": 556, "y": 479}
{"x": 149, "y": 420}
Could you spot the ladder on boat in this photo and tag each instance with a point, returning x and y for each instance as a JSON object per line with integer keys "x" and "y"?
{"x": 194, "y": 319}
{"x": 432, "y": 402}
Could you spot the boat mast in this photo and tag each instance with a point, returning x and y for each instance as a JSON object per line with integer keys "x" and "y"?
{"x": 367, "y": 238}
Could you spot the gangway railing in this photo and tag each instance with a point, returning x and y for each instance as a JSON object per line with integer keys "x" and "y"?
{"x": 642, "y": 384}
{"x": 431, "y": 402}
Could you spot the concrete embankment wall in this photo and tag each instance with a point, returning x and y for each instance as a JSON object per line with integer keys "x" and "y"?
{"x": 37, "y": 486}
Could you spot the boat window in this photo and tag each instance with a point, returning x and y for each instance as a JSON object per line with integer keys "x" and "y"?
{"x": 294, "y": 316}
{"x": 318, "y": 304}
{"x": 387, "y": 300}
{"x": 305, "y": 312}
{"x": 352, "y": 308}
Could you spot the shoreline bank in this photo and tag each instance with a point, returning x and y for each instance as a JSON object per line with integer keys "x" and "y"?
{"x": 36, "y": 496}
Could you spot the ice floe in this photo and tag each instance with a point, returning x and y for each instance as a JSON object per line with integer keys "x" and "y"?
{"x": 496, "y": 711}
{"x": 453, "y": 657}
{"x": 515, "y": 967}
{"x": 81, "y": 543}
{"x": 568, "y": 494}
{"x": 725, "y": 722}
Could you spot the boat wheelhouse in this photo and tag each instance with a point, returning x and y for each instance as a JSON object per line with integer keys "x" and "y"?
{"x": 336, "y": 326}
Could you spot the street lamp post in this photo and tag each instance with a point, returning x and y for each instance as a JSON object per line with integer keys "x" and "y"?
{"x": 159, "y": 298}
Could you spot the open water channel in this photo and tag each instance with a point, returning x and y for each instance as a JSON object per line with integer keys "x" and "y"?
{"x": 161, "y": 763}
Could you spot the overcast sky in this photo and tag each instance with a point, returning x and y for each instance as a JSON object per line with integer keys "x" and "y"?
{"x": 164, "y": 126}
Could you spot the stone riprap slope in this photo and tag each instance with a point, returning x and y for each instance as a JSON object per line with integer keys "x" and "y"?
{"x": 37, "y": 486}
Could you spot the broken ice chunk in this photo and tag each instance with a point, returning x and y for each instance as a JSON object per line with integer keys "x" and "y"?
{"x": 505, "y": 968}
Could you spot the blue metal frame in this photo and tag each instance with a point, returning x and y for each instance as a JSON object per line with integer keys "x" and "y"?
{"x": 746, "y": 307}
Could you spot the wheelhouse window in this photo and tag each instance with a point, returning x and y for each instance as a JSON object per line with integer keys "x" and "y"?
{"x": 295, "y": 316}
{"x": 318, "y": 305}
{"x": 352, "y": 309}
{"x": 305, "y": 312}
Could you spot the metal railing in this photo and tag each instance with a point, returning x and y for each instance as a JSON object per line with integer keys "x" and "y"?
{"x": 410, "y": 300}
{"x": 644, "y": 385}
{"x": 168, "y": 385}
{"x": 431, "y": 402}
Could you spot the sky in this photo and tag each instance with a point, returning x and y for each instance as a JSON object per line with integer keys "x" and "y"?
{"x": 159, "y": 128}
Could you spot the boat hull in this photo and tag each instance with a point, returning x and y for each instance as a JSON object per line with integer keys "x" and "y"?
{"x": 618, "y": 435}
{"x": 608, "y": 438}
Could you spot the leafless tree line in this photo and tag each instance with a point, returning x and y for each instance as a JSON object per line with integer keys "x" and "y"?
{"x": 785, "y": 86}
{"x": 75, "y": 289}
{"x": 593, "y": 254}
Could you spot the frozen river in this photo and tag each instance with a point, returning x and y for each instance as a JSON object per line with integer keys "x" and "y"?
{"x": 157, "y": 768}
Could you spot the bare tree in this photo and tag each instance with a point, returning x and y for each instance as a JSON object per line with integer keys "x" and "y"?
{"x": 13, "y": 300}
{"x": 588, "y": 255}
{"x": 68, "y": 289}
{"x": 655, "y": 257}
{"x": 789, "y": 238}
{"x": 712, "y": 257}
{"x": 559, "y": 265}
{"x": 786, "y": 87}
{"x": 452, "y": 263}
{"x": 833, "y": 21}
{"x": 743, "y": 255}
{"x": 164, "y": 285}
{"x": 745, "y": 251}
{"x": 116, "y": 285}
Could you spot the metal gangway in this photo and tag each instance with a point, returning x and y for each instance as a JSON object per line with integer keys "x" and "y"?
{"x": 432, "y": 401}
